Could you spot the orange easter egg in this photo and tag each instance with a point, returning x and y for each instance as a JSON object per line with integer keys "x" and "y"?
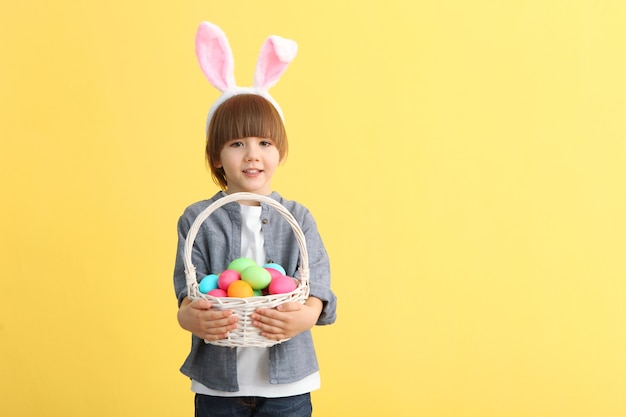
{"x": 240, "y": 289}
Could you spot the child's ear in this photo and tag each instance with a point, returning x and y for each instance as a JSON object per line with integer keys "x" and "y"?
{"x": 218, "y": 164}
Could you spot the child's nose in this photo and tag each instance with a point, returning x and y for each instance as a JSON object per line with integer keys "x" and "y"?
{"x": 252, "y": 153}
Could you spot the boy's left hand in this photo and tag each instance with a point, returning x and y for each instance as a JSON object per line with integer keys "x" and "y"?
{"x": 287, "y": 320}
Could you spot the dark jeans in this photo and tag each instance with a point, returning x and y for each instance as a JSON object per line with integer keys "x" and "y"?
{"x": 296, "y": 406}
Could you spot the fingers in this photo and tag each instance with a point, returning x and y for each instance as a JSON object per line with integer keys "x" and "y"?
{"x": 200, "y": 304}
{"x": 212, "y": 324}
{"x": 217, "y": 324}
{"x": 276, "y": 324}
{"x": 198, "y": 317}
{"x": 272, "y": 330}
{"x": 286, "y": 307}
{"x": 286, "y": 320}
{"x": 265, "y": 322}
{"x": 277, "y": 313}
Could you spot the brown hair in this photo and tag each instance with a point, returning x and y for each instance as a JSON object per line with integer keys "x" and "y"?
{"x": 243, "y": 116}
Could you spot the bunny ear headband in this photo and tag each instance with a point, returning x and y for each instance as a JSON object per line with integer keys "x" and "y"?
{"x": 216, "y": 61}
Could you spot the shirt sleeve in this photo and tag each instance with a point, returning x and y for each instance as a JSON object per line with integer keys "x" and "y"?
{"x": 319, "y": 270}
{"x": 199, "y": 261}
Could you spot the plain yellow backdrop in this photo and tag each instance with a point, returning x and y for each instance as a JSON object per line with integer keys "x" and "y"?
{"x": 465, "y": 161}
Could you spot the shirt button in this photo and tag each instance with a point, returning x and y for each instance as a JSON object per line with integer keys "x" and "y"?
{"x": 265, "y": 221}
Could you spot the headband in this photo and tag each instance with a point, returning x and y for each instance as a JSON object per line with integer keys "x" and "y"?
{"x": 217, "y": 63}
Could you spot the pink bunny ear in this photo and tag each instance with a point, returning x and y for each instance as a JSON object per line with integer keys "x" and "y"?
{"x": 276, "y": 54}
{"x": 215, "y": 56}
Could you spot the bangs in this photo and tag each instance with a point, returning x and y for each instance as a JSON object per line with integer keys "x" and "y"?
{"x": 246, "y": 115}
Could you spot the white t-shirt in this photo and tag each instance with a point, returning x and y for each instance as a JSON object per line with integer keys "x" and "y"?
{"x": 253, "y": 362}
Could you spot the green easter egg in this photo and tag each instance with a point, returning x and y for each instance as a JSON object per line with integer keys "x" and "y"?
{"x": 240, "y": 264}
{"x": 257, "y": 276}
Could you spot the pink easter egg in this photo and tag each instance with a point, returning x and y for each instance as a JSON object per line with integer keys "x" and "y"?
{"x": 218, "y": 292}
{"x": 226, "y": 278}
{"x": 282, "y": 285}
{"x": 274, "y": 272}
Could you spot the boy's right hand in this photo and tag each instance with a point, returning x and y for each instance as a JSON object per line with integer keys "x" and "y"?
{"x": 197, "y": 317}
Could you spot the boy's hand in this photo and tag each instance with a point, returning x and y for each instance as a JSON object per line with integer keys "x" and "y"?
{"x": 197, "y": 317}
{"x": 287, "y": 320}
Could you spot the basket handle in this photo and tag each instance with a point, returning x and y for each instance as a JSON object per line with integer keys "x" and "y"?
{"x": 190, "y": 269}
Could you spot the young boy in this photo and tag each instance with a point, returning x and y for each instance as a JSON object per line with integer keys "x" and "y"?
{"x": 246, "y": 142}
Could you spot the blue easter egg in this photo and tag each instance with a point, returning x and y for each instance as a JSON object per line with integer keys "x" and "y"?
{"x": 208, "y": 283}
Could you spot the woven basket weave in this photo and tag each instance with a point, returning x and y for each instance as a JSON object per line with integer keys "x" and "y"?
{"x": 246, "y": 335}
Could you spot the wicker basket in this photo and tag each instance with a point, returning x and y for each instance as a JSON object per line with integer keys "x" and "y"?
{"x": 246, "y": 335}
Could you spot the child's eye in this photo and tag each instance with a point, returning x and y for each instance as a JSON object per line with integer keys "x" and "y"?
{"x": 236, "y": 144}
{"x": 266, "y": 143}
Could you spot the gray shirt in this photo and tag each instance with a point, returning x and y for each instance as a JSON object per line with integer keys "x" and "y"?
{"x": 218, "y": 242}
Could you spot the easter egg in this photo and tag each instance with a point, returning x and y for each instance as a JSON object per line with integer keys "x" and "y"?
{"x": 240, "y": 264}
{"x": 218, "y": 292}
{"x": 208, "y": 283}
{"x": 274, "y": 272}
{"x": 276, "y": 267}
{"x": 240, "y": 289}
{"x": 227, "y": 277}
{"x": 258, "y": 293}
{"x": 257, "y": 276}
{"x": 282, "y": 285}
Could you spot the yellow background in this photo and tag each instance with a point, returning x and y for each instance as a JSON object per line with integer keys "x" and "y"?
{"x": 465, "y": 161}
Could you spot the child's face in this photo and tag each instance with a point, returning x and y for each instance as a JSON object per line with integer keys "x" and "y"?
{"x": 249, "y": 164}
